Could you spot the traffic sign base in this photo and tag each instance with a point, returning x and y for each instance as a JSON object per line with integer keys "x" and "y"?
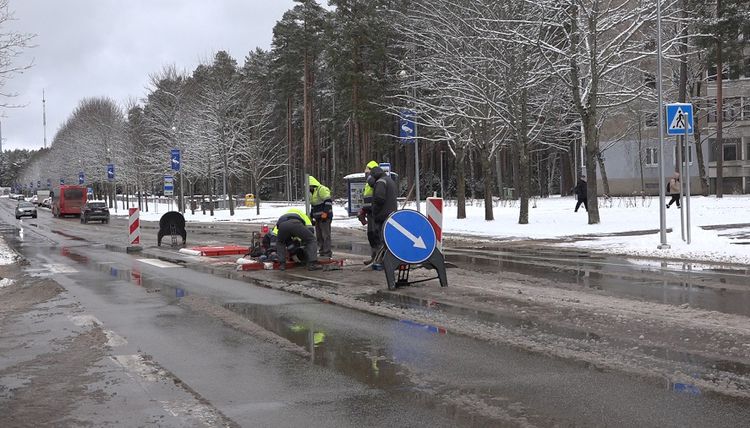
{"x": 392, "y": 264}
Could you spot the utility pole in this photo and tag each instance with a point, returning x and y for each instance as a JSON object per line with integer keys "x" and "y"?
{"x": 44, "y": 118}
{"x": 662, "y": 182}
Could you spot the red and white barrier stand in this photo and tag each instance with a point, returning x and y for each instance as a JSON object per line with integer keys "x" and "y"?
{"x": 134, "y": 226}
{"x": 435, "y": 217}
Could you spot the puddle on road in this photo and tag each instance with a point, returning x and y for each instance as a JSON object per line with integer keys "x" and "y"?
{"x": 702, "y": 289}
{"x": 371, "y": 364}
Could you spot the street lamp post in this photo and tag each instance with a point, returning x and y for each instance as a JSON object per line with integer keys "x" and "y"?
{"x": 662, "y": 193}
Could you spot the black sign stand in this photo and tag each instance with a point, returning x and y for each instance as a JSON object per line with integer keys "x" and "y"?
{"x": 391, "y": 264}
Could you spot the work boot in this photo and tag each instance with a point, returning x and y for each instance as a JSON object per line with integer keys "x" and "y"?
{"x": 282, "y": 266}
{"x": 314, "y": 266}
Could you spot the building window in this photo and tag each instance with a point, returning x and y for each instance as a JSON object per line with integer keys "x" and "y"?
{"x": 711, "y": 109}
{"x": 746, "y": 108}
{"x": 730, "y": 151}
{"x": 732, "y": 108}
{"x": 652, "y": 156}
{"x": 689, "y": 153}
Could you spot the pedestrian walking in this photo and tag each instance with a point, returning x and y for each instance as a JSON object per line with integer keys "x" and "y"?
{"x": 581, "y": 191}
{"x": 673, "y": 189}
{"x": 321, "y": 211}
{"x": 296, "y": 225}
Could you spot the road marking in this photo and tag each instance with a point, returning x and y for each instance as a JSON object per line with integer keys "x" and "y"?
{"x": 84, "y": 320}
{"x": 158, "y": 263}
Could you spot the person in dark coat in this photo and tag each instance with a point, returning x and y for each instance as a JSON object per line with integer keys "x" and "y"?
{"x": 296, "y": 225}
{"x": 581, "y": 191}
{"x": 383, "y": 199}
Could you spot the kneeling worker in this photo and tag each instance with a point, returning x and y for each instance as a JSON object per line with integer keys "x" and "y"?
{"x": 296, "y": 224}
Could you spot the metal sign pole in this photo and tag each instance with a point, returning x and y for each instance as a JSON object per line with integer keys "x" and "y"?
{"x": 662, "y": 194}
{"x": 680, "y": 144}
{"x": 687, "y": 157}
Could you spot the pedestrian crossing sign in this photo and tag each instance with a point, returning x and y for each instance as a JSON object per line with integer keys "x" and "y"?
{"x": 679, "y": 119}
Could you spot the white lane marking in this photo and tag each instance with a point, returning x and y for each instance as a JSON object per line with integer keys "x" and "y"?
{"x": 59, "y": 268}
{"x": 158, "y": 263}
{"x": 189, "y": 410}
{"x": 114, "y": 339}
{"x": 85, "y": 320}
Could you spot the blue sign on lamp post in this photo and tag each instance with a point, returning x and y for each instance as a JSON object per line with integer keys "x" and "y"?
{"x": 81, "y": 177}
{"x": 110, "y": 171}
{"x": 62, "y": 181}
{"x": 175, "y": 159}
{"x": 406, "y": 127}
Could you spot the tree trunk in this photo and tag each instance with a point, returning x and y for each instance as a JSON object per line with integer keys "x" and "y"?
{"x": 603, "y": 170}
{"x": 718, "y": 145}
{"x": 589, "y": 131}
{"x": 699, "y": 145}
{"x": 523, "y": 180}
{"x": 487, "y": 178}
{"x": 461, "y": 183}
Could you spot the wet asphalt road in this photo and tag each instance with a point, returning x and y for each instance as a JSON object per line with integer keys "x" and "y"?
{"x": 356, "y": 369}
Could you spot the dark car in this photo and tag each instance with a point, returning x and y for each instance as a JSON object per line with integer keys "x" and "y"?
{"x": 25, "y": 209}
{"x": 95, "y": 210}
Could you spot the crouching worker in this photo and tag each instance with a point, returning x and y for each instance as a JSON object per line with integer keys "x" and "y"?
{"x": 296, "y": 225}
{"x": 321, "y": 209}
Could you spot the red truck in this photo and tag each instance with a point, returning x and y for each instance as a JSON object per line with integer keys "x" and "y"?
{"x": 68, "y": 201}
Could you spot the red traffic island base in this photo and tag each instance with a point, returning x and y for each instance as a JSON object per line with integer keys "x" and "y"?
{"x": 224, "y": 250}
{"x": 250, "y": 264}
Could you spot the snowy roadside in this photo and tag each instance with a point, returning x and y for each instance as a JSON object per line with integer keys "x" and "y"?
{"x": 7, "y": 255}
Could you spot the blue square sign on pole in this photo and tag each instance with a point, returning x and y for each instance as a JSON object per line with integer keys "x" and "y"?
{"x": 175, "y": 159}
{"x": 49, "y": 182}
{"x": 406, "y": 126}
{"x": 679, "y": 119}
{"x": 81, "y": 177}
{"x": 110, "y": 171}
{"x": 62, "y": 181}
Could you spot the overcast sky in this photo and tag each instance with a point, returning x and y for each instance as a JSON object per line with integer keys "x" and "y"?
{"x": 91, "y": 48}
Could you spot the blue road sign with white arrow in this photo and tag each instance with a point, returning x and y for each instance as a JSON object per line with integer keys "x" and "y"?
{"x": 409, "y": 236}
{"x": 175, "y": 159}
{"x": 62, "y": 181}
{"x": 679, "y": 118}
{"x": 406, "y": 126}
{"x": 81, "y": 177}
{"x": 110, "y": 171}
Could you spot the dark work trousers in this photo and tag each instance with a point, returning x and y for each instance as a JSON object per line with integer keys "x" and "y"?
{"x": 675, "y": 199}
{"x": 585, "y": 204}
{"x": 296, "y": 229}
{"x": 323, "y": 234}
{"x": 373, "y": 235}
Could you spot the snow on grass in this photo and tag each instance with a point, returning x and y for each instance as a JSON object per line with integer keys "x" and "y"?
{"x": 553, "y": 218}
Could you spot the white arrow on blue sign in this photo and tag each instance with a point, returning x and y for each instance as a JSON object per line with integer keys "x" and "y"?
{"x": 110, "y": 171}
{"x": 406, "y": 126}
{"x": 175, "y": 159}
{"x": 679, "y": 118}
{"x": 409, "y": 236}
{"x": 81, "y": 177}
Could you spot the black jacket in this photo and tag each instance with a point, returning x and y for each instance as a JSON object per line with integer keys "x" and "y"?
{"x": 384, "y": 195}
{"x": 581, "y": 189}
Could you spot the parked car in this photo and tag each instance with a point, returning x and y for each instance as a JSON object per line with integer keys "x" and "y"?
{"x": 34, "y": 199}
{"x": 95, "y": 210}
{"x": 47, "y": 203}
{"x": 25, "y": 209}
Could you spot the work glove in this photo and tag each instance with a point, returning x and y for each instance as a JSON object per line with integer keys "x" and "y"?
{"x": 323, "y": 216}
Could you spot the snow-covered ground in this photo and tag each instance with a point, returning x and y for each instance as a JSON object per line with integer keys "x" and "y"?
{"x": 553, "y": 218}
{"x": 7, "y": 256}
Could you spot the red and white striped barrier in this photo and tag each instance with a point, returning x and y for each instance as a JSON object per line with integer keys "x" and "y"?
{"x": 435, "y": 216}
{"x": 134, "y": 224}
